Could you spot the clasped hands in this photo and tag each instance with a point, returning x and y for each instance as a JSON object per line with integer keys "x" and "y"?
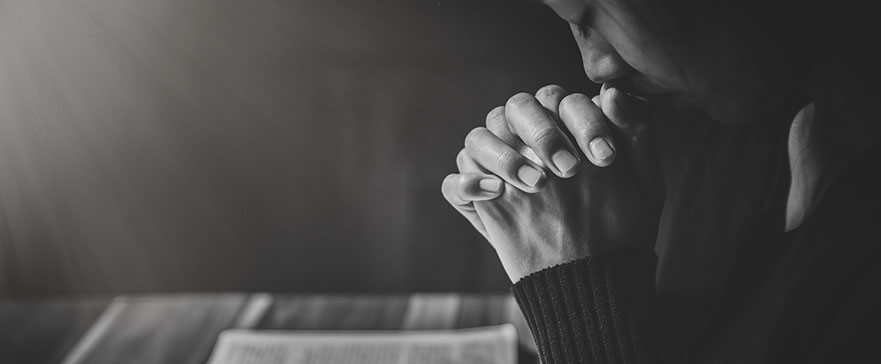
{"x": 554, "y": 177}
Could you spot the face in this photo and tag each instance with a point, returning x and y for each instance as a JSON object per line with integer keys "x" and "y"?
{"x": 709, "y": 55}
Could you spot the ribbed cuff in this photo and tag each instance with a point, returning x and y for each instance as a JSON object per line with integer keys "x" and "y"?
{"x": 589, "y": 310}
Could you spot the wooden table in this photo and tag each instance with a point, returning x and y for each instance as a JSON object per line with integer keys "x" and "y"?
{"x": 182, "y": 328}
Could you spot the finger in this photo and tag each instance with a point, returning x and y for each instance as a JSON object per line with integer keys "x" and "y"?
{"x": 477, "y": 183}
{"x": 602, "y": 91}
{"x": 467, "y": 165}
{"x": 450, "y": 189}
{"x": 589, "y": 127}
{"x": 538, "y": 130}
{"x": 500, "y": 159}
{"x": 550, "y": 97}
{"x": 630, "y": 117}
{"x": 496, "y": 123}
{"x": 624, "y": 111}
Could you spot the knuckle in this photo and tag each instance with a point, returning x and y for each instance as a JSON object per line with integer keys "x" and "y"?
{"x": 550, "y": 91}
{"x": 462, "y": 181}
{"x": 519, "y": 100}
{"x": 496, "y": 113}
{"x": 499, "y": 128}
{"x": 448, "y": 184}
{"x": 581, "y": 130}
{"x": 573, "y": 99}
{"x": 507, "y": 159}
{"x": 466, "y": 186}
{"x": 495, "y": 120}
{"x": 594, "y": 128}
{"x": 461, "y": 158}
{"x": 473, "y": 137}
{"x": 542, "y": 135}
{"x": 451, "y": 179}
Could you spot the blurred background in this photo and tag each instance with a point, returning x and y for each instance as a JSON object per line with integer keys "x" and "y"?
{"x": 260, "y": 145}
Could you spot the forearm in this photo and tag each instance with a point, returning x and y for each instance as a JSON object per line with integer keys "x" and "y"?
{"x": 592, "y": 310}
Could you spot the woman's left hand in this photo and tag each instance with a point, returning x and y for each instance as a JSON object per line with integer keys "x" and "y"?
{"x": 612, "y": 203}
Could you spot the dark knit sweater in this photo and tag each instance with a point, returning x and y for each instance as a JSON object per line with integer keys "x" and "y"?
{"x": 820, "y": 301}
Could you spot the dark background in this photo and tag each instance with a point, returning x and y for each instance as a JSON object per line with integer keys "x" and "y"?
{"x": 204, "y": 145}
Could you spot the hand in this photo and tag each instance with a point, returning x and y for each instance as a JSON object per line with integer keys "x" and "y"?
{"x": 581, "y": 211}
{"x": 533, "y": 117}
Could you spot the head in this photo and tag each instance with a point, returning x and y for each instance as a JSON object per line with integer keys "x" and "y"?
{"x": 733, "y": 59}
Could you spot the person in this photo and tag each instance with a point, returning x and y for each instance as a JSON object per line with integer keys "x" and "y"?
{"x": 739, "y": 133}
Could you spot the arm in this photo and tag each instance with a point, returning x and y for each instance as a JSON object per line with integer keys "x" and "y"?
{"x": 561, "y": 234}
{"x": 592, "y": 310}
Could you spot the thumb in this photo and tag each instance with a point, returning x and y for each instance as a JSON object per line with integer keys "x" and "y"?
{"x": 631, "y": 119}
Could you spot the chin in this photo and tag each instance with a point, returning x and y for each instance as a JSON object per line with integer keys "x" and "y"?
{"x": 687, "y": 104}
{"x": 746, "y": 112}
{"x": 677, "y": 102}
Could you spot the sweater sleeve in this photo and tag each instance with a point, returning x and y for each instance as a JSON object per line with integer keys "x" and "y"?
{"x": 592, "y": 310}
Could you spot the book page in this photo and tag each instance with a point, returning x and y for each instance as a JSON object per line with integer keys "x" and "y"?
{"x": 488, "y": 345}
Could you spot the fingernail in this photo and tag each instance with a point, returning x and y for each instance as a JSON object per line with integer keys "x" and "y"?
{"x": 564, "y": 161}
{"x": 529, "y": 175}
{"x": 601, "y": 149}
{"x": 490, "y": 185}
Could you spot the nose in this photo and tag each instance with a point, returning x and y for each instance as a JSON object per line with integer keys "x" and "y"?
{"x": 601, "y": 62}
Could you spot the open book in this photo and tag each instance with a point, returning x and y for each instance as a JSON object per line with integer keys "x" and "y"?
{"x": 487, "y": 345}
